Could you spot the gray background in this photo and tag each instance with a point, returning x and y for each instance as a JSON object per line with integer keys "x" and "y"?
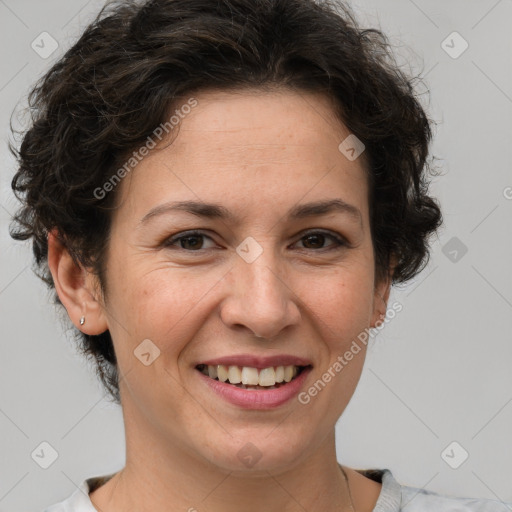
{"x": 439, "y": 372}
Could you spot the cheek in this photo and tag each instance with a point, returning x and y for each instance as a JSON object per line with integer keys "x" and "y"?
{"x": 158, "y": 304}
{"x": 341, "y": 302}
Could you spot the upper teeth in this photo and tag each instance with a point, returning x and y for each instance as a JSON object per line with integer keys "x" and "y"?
{"x": 252, "y": 376}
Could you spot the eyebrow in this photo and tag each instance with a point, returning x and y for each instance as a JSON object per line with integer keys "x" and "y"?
{"x": 217, "y": 211}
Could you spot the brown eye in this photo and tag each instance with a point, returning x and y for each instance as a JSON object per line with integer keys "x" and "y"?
{"x": 191, "y": 241}
{"x": 316, "y": 239}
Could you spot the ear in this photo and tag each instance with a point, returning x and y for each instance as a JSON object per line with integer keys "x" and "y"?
{"x": 381, "y": 295}
{"x": 77, "y": 288}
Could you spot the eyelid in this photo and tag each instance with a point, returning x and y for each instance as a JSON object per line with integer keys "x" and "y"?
{"x": 169, "y": 241}
{"x": 340, "y": 241}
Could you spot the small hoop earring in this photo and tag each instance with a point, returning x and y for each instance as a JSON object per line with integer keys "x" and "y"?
{"x": 82, "y": 320}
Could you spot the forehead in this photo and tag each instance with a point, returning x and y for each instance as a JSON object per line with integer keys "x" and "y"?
{"x": 278, "y": 146}
{"x": 261, "y": 121}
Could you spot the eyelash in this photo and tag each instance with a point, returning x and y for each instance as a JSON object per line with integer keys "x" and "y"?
{"x": 340, "y": 242}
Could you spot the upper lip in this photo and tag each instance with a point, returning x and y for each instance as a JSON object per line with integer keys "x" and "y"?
{"x": 259, "y": 362}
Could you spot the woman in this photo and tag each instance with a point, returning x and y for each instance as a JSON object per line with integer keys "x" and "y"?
{"x": 222, "y": 195}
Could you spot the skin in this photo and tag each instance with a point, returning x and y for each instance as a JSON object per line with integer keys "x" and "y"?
{"x": 258, "y": 154}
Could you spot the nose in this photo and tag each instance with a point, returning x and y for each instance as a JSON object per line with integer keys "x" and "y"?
{"x": 260, "y": 297}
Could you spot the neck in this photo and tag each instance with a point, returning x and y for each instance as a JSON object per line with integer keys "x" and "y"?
{"x": 160, "y": 475}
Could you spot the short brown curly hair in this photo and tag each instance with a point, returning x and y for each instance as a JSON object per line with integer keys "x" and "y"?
{"x": 110, "y": 90}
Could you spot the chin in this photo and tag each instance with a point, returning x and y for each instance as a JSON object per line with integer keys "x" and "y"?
{"x": 258, "y": 451}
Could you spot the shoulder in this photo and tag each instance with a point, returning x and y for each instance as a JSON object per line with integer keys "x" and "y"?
{"x": 79, "y": 501}
{"x": 395, "y": 497}
{"x": 415, "y": 500}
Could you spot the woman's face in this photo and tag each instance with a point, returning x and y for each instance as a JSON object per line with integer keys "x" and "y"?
{"x": 271, "y": 267}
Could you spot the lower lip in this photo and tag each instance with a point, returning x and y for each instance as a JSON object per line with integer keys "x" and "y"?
{"x": 257, "y": 398}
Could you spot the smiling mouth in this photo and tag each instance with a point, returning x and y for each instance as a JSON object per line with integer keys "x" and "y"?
{"x": 246, "y": 377}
